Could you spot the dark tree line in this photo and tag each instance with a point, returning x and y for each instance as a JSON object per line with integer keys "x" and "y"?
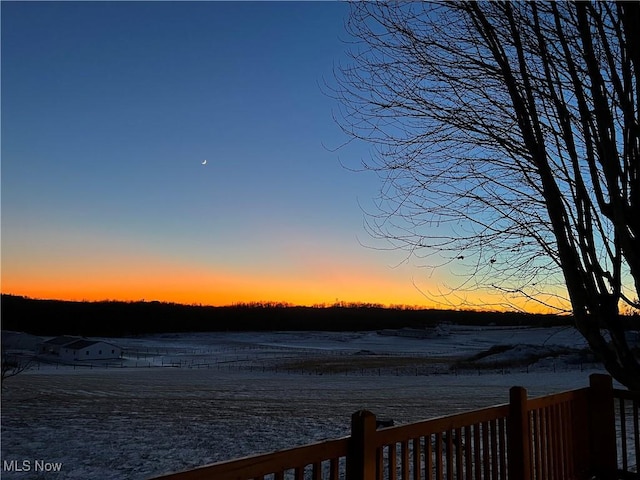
{"x": 112, "y": 319}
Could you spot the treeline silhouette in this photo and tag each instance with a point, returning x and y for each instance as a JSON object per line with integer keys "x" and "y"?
{"x": 117, "y": 318}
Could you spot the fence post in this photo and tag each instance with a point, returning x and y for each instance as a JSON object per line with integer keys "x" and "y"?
{"x": 602, "y": 426}
{"x": 361, "y": 458}
{"x": 518, "y": 435}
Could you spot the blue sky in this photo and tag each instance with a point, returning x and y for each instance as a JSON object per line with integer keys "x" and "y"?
{"x": 109, "y": 109}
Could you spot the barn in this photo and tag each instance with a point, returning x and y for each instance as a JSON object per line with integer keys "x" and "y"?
{"x": 78, "y": 348}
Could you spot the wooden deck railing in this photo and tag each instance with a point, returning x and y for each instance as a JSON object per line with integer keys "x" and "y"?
{"x": 558, "y": 436}
{"x": 627, "y": 429}
{"x": 468, "y": 445}
{"x": 577, "y": 434}
{"x": 317, "y": 461}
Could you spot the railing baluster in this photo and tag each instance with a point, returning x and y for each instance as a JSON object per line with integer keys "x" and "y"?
{"x": 439, "y": 455}
{"x": 563, "y": 438}
{"x": 543, "y": 472}
{"x": 552, "y": 443}
{"x": 568, "y": 420}
{"x": 546, "y": 440}
{"x": 494, "y": 449}
{"x": 459, "y": 452}
{"x": 416, "y": 459}
{"x": 557, "y": 440}
{"x": 623, "y": 433}
{"x": 533, "y": 448}
{"x": 316, "y": 471}
{"x": 334, "y": 469}
{"x": 485, "y": 450}
{"x": 392, "y": 462}
{"x": 560, "y": 440}
{"x": 503, "y": 448}
{"x": 468, "y": 453}
{"x": 428, "y": 457}
{"x": 636, "y": 433}
{"x": 449, "y": 454}
{"x": 404, "y": 455}
{"x": 380, "y": 463}
{"x": 477, "y": 451}
{"x": 562, "y": 426}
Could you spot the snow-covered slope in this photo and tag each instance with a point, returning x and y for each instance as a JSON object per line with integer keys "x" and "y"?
{"x": 233, "y": 396}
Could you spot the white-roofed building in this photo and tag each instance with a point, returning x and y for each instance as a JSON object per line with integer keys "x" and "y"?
{"x": 78, "y": 348}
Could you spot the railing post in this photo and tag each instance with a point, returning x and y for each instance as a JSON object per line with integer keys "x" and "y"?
{"x": 518, "y": 435}
{"x": 602, "y": 427}
{"x": 361, "y": 459}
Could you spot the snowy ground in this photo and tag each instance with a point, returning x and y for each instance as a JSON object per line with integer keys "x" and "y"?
{"x": 199, "y": 398}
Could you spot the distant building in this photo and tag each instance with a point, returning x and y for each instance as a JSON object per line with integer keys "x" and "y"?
{"x": 68, "y": 348}
{"x": 53, "y": 345}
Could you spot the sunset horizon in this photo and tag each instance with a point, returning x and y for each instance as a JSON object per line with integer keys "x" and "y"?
{"x": 247, "y": 300}
{"x": 190, "y": 154}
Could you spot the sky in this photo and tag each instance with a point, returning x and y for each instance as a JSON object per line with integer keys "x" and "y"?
{"x": 109, "y": 110}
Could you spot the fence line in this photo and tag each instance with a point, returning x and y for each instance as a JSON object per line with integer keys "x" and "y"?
{"x": 249, "y": 364}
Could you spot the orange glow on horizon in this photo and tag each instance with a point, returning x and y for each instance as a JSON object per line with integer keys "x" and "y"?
{"x": 201, "y": 288}
{"x": 306, "y": 281}
{"x": 243, "y": 297}
{"x": 217, "y": 289}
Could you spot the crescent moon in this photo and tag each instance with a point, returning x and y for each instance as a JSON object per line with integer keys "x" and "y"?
{"x": 204, "y": 162}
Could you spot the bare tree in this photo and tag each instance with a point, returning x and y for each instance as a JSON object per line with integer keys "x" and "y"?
{"x": 13, "y": 365}
{"x": 508, "y": 139}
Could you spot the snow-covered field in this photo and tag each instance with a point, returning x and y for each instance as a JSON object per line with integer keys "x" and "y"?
{"x": 198, "y": 398}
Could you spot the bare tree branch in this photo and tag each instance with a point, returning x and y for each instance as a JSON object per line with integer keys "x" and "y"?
{"x": 507, "y": 137}
{"x": 13, "y": 365}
